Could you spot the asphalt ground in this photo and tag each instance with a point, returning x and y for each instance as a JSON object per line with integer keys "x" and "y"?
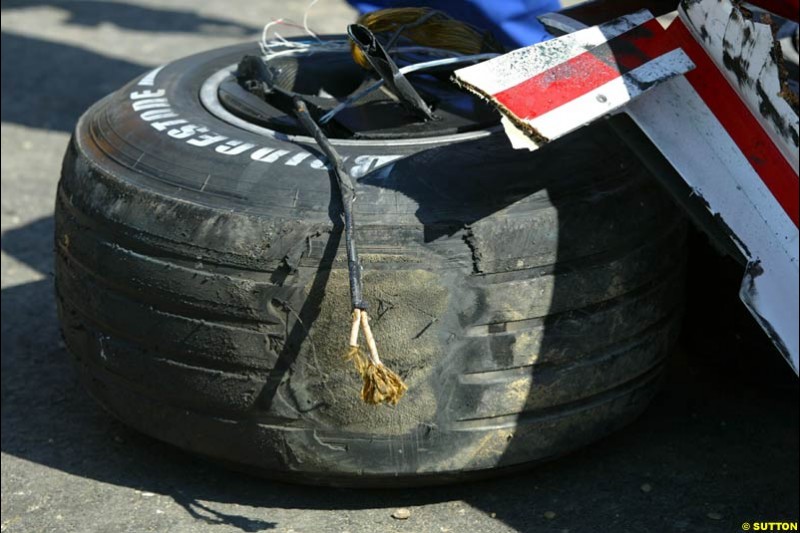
{"x": 717, "y": 448}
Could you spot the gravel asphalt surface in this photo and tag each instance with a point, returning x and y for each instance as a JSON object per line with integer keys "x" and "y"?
{"x": 718, "y": 447}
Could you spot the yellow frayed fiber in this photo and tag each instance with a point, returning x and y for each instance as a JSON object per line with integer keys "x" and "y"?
{"x": 436, "y": 30}
{"x": 354, "y": 354}
{"x": 381, "y": 385}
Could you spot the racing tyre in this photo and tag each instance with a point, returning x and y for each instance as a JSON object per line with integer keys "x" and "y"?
{"x": 528, "y": 299}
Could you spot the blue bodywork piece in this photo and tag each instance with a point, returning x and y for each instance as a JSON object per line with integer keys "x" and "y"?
{"x": 513, "y": 22}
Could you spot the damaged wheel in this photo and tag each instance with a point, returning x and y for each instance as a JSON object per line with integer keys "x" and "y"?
{"x": 528, "y": 300}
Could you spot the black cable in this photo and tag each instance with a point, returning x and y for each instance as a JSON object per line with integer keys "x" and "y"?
{"x": 348, "y": 195}
{"x": 386, "y": 68}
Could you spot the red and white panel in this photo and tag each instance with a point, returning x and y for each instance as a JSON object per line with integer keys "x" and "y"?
{"x": 727, "y": 136}
{"x": 557, "y": 86}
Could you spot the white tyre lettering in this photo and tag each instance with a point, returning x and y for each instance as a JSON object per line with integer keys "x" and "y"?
{"x": 150, "y": 78}
{"x": 138, "y": 95}
{"x": 261, "y": 152}
{"x": 268, "y": 155}
{"x": 368, "y": 163}
{"x": 206, "y": 140}
{"x": 296, "y": 159}
{"x": 274, "y": 156}
{"x": 161, "y": 126}
{"x": 158, "y": 109}
{"x": 150, "y": 103}
{"x": 234, "y": 147}
{"x": 186, "y": 131}
{"x": 158, "y": 114}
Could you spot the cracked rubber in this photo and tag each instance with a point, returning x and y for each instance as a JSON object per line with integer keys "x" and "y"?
{"x": 529, "y": 300}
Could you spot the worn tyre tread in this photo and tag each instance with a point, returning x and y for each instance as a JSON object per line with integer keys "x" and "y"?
{"x": 528, "y": 320}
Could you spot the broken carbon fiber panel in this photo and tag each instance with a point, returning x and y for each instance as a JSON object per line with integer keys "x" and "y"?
{"x": 552, "y": 88}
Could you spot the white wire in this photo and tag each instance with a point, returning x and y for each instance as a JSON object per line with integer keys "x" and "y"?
{"x": 286, "y": 47}
{"x": 446, "y": 61}
{"x": 404, "y": 70}
{"x": 278, "y": 46}
{"x": 264, "y": 43}
{"x": 295, "y": 47}
{"x": 305, "y": 21}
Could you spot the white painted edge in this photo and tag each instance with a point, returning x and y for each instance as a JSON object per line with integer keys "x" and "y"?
{"x": 518, "y": 139}
{"x": 515, "y": 67}
{"x": 679, "y": 123}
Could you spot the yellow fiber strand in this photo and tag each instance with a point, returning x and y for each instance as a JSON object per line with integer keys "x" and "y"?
{"x": 354, "y": 354}
{"x": 354, "y": 351}
{"x": 436, "y": 31}
{"x": 381, "y": 385}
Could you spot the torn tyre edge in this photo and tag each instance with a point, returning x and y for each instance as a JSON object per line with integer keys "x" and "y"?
{"x": 475, "y": 253}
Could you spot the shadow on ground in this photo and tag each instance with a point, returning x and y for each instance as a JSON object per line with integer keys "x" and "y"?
{"x": 49, "y": 85}
{"x": 90, "y": 13}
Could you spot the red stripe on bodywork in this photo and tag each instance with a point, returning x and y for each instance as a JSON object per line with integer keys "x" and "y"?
{"x": 586, "y": 72}
{"x": 743, "y": 127}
